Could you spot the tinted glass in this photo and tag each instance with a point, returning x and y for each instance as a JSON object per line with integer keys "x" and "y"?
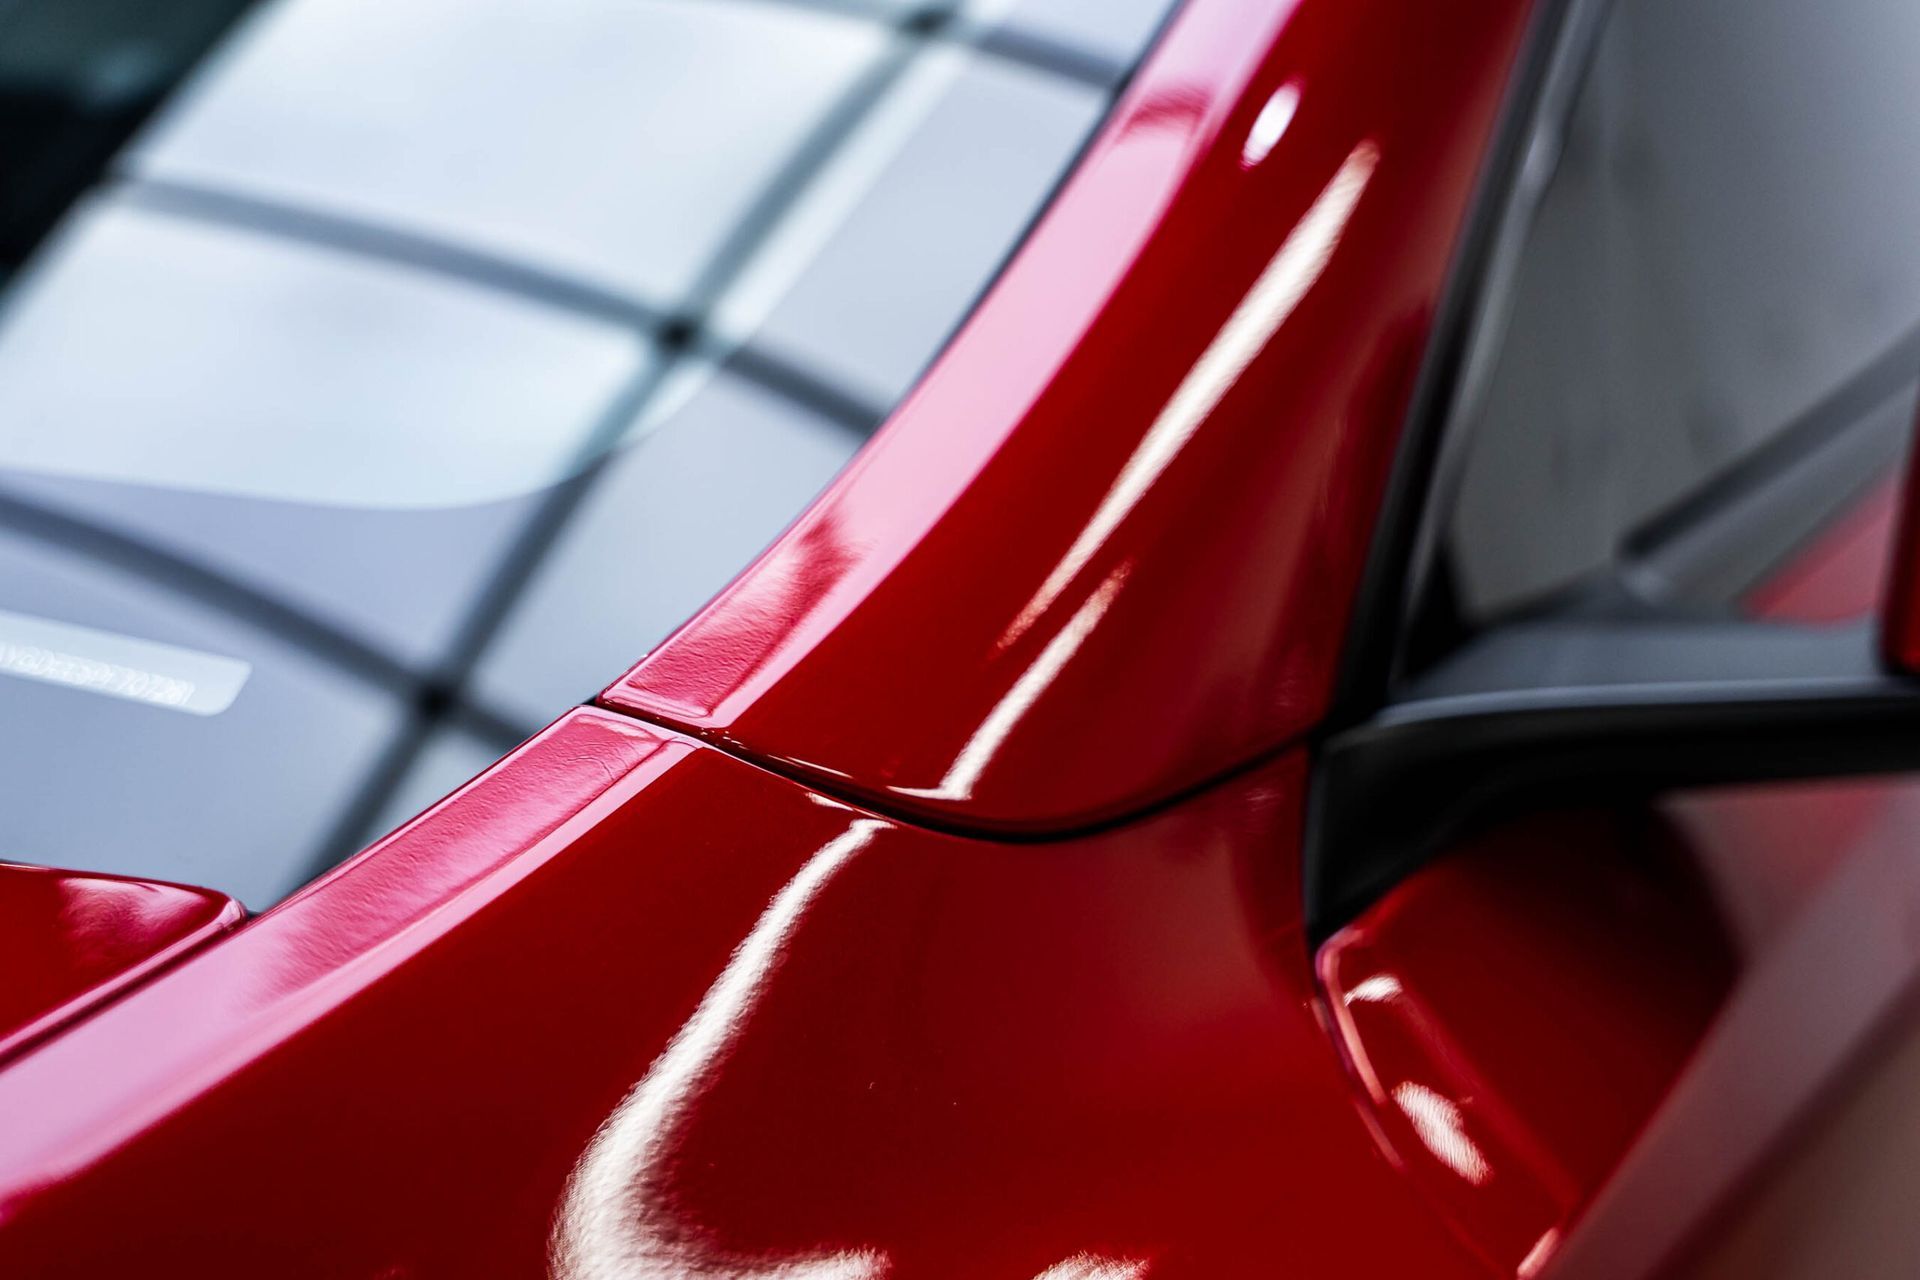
{"x": 1710, "y": 343}
{"x": 76, "y": 78}
{"x": 420, "y": 363}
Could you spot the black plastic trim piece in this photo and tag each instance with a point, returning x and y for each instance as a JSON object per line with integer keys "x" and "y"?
{"x": 1520, "y": 159}
{"x": 1564, "y": 711}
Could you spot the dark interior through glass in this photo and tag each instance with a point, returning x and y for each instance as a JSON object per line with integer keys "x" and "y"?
{"x": 1708, "y": 352}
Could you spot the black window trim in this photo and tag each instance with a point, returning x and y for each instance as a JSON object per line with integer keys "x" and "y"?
{"x": 1597, "y": 695}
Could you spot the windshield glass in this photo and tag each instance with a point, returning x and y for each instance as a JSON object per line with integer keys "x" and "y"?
{"x": 379, "y": 378}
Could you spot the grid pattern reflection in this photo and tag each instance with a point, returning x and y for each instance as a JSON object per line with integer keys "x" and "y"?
{"x": 573, "y": 270}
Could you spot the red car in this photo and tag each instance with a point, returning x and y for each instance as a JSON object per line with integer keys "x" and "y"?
{"x": 1354, "y": 718}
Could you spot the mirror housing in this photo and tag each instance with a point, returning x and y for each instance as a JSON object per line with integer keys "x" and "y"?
{"x": 70, "y": 940}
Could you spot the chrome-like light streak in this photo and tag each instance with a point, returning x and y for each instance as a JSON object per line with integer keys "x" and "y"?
{"x": 617, "y": 1220}
{"x": 987, "y": 739}
{"x": 1093, "y": 1266}
{"x": 1287, "y": 278}
{"x": 1437, "y": 1120}
{"x": 1537, "y": 1257}
{"x": 1270, "y": 125}
{"x": 1378, "y": 989}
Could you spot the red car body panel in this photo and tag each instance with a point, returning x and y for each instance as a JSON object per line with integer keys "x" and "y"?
{"x": 630, "y": 1003}
{"x": 1108, "y": 549}
{"x": 1900, "y": 618}
{"x": 854, "y": 1040}
{"x": 70, "y": 940}
{"x": 1515, "y": 1012}
{"x": 1819, "y": 1006}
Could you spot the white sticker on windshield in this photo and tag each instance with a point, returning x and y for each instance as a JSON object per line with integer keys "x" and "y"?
{"x": 160, "y": 675}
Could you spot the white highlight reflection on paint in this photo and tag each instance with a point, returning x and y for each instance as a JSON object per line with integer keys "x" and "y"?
{"x": 1270, "y": 125}
{"x": 1378, "y": 989}
{"x": 617, "y": 1219}
{"x": 1093, "y": 1266}
{"x": 1288, "y": 277}
{"x": 1537, "y": 1257}
{"x": 1436, "y": 1119}
{"x": 1034, "y": 681}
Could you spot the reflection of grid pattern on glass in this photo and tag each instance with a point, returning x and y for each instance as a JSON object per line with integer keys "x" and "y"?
{"x": 442, "y": 701}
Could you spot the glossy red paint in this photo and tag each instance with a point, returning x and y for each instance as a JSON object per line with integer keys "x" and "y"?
{"x": 631, "y": 1004}
{"x": 1515, "y": 1012}
{"x": 1108, "y": 548}
{"x": 70, "y": 941}
{"x": 1812, "y": 1008}
{"x": 861, "y": 1048}
{"x": 1900, "y": 613}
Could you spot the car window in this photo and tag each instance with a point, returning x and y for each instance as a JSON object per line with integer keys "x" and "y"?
{"x": 77, "y": 77}
{"x": 1708, "y": 349}
{"x": 382, "y": 377}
